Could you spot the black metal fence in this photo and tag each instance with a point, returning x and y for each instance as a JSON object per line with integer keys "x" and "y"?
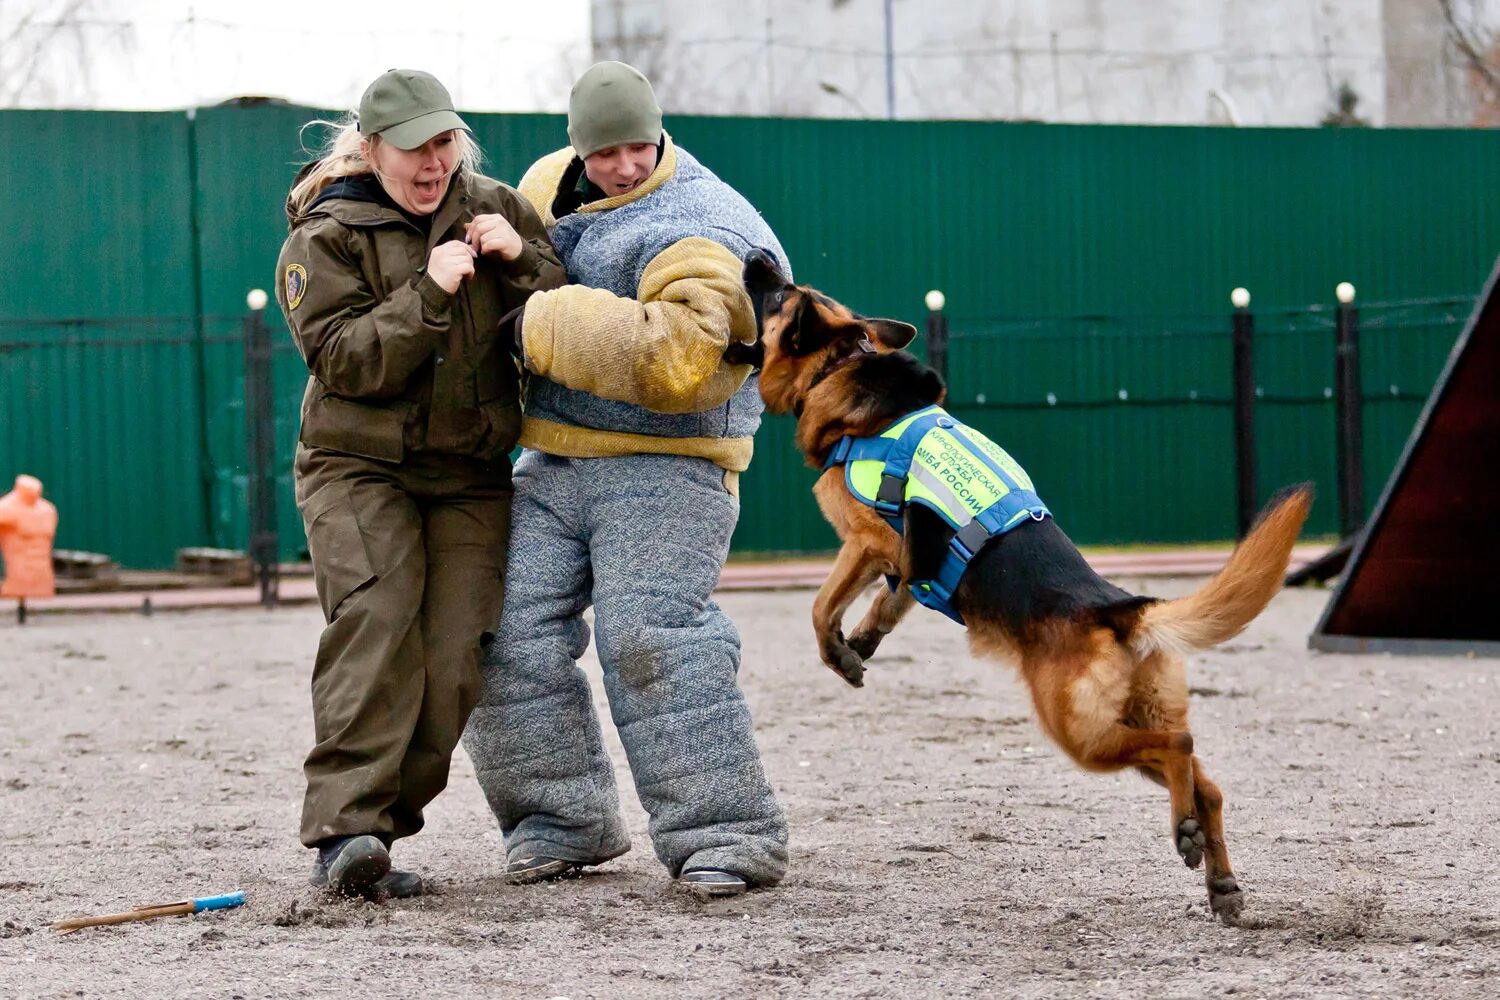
{"x": 158, "y": 433}
{"x": 1326, "y": 392}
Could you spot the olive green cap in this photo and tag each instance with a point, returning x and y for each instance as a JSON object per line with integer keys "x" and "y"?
{"x": 611, "y": 105}
{"x": 406, "y": 107}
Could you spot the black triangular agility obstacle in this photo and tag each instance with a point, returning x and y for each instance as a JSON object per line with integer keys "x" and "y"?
{"x": 1425, "y": 573}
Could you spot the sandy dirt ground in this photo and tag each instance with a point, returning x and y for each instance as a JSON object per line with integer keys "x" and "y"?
{"x": 940, "y": 847}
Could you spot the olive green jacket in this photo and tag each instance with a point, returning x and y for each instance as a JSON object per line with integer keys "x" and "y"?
{"x": 398, "y": 364}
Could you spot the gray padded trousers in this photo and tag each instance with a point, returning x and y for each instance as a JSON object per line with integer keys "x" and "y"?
{"x": 642, "y": 538}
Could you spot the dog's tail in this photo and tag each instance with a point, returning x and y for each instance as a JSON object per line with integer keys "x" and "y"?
{"x": 1223, "y": 606}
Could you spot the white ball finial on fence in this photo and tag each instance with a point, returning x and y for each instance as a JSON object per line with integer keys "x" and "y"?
{"x": 1345, "y": 292}
{"x": 256, "y": 299}
{"x": 935, "y": 300}
{"x": 1240, "y": 298}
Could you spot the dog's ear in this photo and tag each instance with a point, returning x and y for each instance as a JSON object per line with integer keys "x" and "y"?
{"x": 891, "y": 333}
{"x": 815, "y": 324}
{"x": 805, "y": 332}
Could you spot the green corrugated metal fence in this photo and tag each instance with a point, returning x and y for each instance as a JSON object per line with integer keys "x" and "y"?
{"x": 134, "y": 238}
{"x": 98, "y": 322}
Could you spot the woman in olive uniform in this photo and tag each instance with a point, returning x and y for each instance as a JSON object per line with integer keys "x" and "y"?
{"x": 400, "y": 264}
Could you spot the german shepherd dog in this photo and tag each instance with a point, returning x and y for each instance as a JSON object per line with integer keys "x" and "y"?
{"x": 1105, "y": 667}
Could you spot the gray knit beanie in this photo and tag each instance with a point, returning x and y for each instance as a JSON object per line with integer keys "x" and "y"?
{"x": 612, "y": 105}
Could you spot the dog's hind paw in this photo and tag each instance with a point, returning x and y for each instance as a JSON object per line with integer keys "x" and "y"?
{"x": 864, "y": 644}
{"x": 1190, "y": 842}
{"x": 1225, "y": 898}
{"x": 848, "y": 665}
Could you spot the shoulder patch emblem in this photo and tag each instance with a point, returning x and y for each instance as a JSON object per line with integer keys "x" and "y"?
{"x": 296, "y": 284}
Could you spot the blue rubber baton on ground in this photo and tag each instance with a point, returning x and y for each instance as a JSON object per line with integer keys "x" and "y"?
{"x": 228, "y": 901}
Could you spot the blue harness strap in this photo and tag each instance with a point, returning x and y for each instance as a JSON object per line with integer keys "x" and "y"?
{"x": 897, "y": 454}
{"x": 858, "y": 450}
{"x": 892, "y": 495}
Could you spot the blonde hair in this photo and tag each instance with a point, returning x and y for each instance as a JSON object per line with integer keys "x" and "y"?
{"x": 342, "y": 156}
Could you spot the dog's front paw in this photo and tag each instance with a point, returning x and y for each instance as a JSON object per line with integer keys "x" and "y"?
{"x": 847, "y": 664}
{"x": 864, "y": 644}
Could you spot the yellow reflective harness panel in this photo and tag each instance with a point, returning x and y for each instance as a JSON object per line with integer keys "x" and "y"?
{"x": 929, "y": 458}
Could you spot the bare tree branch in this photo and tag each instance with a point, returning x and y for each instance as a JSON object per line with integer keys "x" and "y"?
{"x": 38, "y": 32}
{"x": 1471, "y": 48}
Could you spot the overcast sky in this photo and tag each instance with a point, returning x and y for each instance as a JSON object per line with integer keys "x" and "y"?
{"x": 494, "y": 55}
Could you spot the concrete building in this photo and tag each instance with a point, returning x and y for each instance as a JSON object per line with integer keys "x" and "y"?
{"x": 1250, "y": 62}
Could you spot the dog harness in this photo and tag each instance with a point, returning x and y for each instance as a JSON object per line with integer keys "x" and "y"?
{"x": 931, "y": 459}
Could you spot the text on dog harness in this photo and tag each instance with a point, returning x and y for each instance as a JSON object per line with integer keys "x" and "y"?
{"x": 929, "y": 458}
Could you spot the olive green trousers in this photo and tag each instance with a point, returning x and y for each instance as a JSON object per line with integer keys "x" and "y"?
{"x": 409, "y": 563}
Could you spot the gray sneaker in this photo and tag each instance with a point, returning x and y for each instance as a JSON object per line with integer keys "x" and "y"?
{"x": 530, "y": 871}
{"x": 712, "y": 883}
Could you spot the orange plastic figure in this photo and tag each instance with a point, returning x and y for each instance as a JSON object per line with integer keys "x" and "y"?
{"x": 27, "y": 526}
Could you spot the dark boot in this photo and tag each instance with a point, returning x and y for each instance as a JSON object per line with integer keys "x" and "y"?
{"x": 400, "y": 885}
{"x": 351, "y": 866}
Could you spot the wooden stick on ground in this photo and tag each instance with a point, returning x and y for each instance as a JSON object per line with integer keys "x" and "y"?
{"x": 186, "y": 906}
